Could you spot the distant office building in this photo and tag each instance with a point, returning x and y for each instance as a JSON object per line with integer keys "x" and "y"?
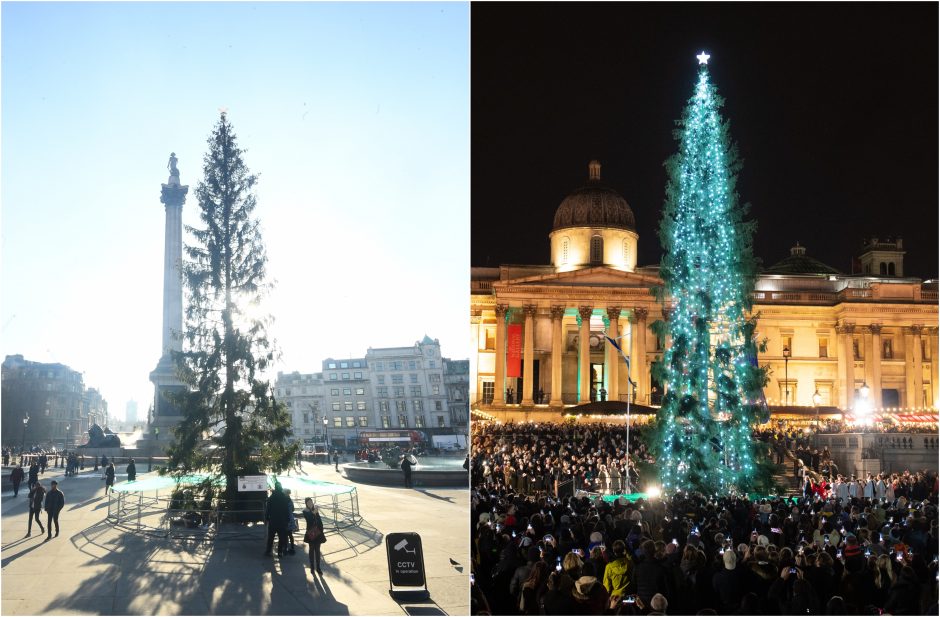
{"x": 53, "y": 398}
{"x": 96, "y": 408}
{"x": 389, "y": 389}
{"x": 457, "y": 382}
{"x": 130, "y": 413}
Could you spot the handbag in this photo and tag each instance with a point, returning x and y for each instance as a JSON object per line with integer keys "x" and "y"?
{"x": 312, "y": 535}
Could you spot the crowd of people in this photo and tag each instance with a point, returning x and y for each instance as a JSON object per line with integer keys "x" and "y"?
{"x": 864, "y": 551}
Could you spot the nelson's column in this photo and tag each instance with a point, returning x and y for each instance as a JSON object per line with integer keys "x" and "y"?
{"x": 164, "y": 377}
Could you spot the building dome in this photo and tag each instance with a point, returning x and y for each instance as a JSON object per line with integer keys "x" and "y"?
{"x": 799, "y": 263}
{"x": 594, "y": 205}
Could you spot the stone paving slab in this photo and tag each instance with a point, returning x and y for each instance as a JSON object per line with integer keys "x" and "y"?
{"x": 93, "y": 568}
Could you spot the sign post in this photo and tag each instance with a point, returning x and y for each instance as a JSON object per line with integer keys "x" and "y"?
{"x": 406, "y": 566}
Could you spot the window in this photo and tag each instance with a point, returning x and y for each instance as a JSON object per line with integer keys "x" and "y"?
{"x": 415, "y": 390}
{"x": 398, "y": 379}
{"x": 438, "y": 406}
{"x": 337, "y": 422}
{"x": 435, "y": 378}
{"x": 416, "y": 405}
{"x": 336, "y": 406}
{"x": 489, "y": 337}
{"x": 382, "y": 390}
{"x": 414, "y": 377}
{"x": 332, "y": 376}
{"x": 350, "y": 422}
{"x": 347, "y": 406}
{"x": 597, "y": 250}
{"x": 883, "y": 269}
{"x": 402, "y": 420}
{"x": 488, "y": 388}
{"x": 440, "y": 421}
{"x": 306, "y": 418}
{"x": 345, "y": 375}
{"x": 924, "y": 350}
{"x": 331, "y": 365}
{"x": 363, "y": 421}
{"x": 435, "y": 389}
{"x": 786, "y": 342}
{"x": 400, "y": 406}
{"x": 856, "y": 351}
{"x": 412, "y": 364}
{"x": 288, "y": 392}
{"x": 383, "y": 406}
{"x": 419, "y": 421}
{"x": 381, "y": 378}
{"x": 432, "y": 364}
{"x": 564, "y": 250}
{"x": 347, "y": 391}
{"x": 357, "y": 375}
{"x": 823, "y": 347}
{"x": 361, "y": 406}
{"x": 316, "y": 405}
{"x": 344, "y": 364}
{"x": 398, "y": 390}
{"x": 395, "y": 366}
{"x": 360, "y": 391}
{"x": 290, "y": 405}
{"x": 379, "y": 366}
{"x": 887, "y": 349}
{"x": 386, "y": 421}
{"x": 626, "y": 254}
{"x": 891, "y": 269}
{"x": 356, "y": 364}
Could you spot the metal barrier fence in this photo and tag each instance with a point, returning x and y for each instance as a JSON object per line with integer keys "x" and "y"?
{"x": 160, "y": 515}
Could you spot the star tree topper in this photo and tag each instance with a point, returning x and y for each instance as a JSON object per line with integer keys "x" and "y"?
{"x": 703, "y": 58}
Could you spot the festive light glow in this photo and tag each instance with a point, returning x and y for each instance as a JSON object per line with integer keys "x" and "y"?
{"x": 653, "y": 492}
{"x": 710, "y": 371}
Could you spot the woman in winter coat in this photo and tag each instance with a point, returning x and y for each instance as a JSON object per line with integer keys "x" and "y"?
{"x": 109, "y": 478}
{"x": 314, "y": 535}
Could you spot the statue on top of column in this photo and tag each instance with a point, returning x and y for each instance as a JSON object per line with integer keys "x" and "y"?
{"x": 174, "y": 172}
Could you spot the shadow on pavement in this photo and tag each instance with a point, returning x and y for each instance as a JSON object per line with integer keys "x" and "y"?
{"x": 357, "y": 539}
{"x": 430, "y": 494}
{"x": 10, "y": 559}
{"x": 420, "y": 611}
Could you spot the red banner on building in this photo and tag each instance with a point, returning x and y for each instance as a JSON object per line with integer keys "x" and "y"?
{"x": 514, "y": 351}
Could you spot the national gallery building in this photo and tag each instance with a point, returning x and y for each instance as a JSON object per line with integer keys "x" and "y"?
{"x": 540, "y": 330}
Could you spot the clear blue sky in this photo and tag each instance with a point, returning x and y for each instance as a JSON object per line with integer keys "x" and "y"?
{"x": 355, "y": 116}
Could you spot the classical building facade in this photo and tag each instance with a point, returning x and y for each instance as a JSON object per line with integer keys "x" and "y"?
{"x": 389, "y": 388}
{"x": 539, "y": 332}
{"x": 54, "y": 399}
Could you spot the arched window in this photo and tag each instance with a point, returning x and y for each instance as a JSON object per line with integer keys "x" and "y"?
{"x": 883, "y": 269}
{"x": 564, "y": 250}
{"x": 891, "y": 269}
{"x": 597, "y": 250}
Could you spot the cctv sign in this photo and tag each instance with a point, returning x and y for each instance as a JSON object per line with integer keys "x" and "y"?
{"x": 405, "y": 560}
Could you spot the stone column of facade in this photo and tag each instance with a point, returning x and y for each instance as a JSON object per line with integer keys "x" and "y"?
{"x": 934, "y": 376}
{"x": 613, "y": 356}
{"x": 499, "y": 388}
{"x": 584, "y": 353}
{"x": 558, "y": 349}
{"x": 475, "y": 395}
{"x": 639, "y": 357}
{"x": 918, "y": 366}
{"x": 847, "y": 379}
{"x": 908, "y": 368}
{"x": 528, "y": 351}
{"x": 874, "y": 359}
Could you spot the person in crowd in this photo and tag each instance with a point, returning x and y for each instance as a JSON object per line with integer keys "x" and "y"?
{"x": 16, "y": 477}
{"x": 33, "y": 476}
{"x": 314, "y": 535}
{"x": 55, "y": 501}
{"x": 108, "y": 478}
{"x": 131, "y": 471}
{"x": 292, "y": 524}
{"x": 277, "y": 517}
{"x": 36, "y": 495}
{"x": 406, "y": 465}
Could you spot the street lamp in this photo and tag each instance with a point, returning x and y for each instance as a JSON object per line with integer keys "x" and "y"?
{"x": 817, "y": 398}
{"x": 25, "y": 423}
{"x": 326, "y": 433}
{"x": 786, "y": 374}
{"x": 68, "y": 427}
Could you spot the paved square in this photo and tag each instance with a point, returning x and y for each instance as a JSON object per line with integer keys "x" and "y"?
{"x": 93, "y": 568}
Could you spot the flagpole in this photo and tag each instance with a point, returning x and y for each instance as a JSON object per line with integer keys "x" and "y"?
{"x": 630, "y": 382}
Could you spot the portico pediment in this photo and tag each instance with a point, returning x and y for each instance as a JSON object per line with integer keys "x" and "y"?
{"x": 599, "y": 276}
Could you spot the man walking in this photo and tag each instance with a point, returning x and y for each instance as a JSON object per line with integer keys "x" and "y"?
{"x": 36, "y": 494}
{"x": 16, "y": 477}
{"x": 55, "y": 501}
{"x": 336, "y": 459}
{"x": 406, "y": 465}
{"x": 278, "y": 518}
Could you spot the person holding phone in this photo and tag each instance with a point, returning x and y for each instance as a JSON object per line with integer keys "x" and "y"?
{"x": 314, "y": 536}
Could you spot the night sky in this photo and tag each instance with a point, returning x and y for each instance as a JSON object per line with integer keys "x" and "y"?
{"x": 834, "y": 109}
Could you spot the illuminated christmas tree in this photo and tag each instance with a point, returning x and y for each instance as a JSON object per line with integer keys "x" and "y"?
{"x": 713, "y": 384}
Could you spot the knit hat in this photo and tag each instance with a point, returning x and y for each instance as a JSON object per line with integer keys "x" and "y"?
{"x": 583, "y": 586}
